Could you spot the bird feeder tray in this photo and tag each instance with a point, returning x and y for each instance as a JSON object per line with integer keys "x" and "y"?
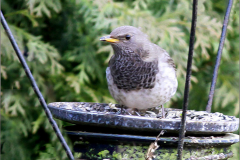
{"x": 103, "y": 115}
{"x": 101, "y": 143}
{"x": 121, "y": 146}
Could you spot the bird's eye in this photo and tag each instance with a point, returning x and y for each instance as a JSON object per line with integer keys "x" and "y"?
{"x": 128, "y": 37}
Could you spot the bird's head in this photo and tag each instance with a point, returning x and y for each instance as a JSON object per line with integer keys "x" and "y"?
{"x": 126, "y": 37}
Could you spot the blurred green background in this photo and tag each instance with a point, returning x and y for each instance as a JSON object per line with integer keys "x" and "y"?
{"x": 60, "y": 41}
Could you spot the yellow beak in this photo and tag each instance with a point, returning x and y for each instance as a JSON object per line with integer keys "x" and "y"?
{"x": 109, "y": 39}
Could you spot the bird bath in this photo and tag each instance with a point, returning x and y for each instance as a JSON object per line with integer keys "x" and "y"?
{"x": 99, "y": 131}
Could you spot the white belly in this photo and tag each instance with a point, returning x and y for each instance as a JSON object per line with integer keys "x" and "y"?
{"x": 165, "y": 87}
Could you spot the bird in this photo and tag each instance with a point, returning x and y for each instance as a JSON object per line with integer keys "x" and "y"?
{"x": 140, "y": 74}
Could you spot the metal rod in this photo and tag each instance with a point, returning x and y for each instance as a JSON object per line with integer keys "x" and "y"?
{"x": 35, "y": 88}
{"x": 219, "y": 54}
{"x": 187, "y": 83}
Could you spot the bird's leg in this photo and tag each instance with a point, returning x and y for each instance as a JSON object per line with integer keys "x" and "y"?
{"x": 133, "y": 111}
{"x": 163, "y": 113}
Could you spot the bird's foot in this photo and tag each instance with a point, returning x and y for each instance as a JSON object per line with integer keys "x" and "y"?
{"x": 121, "y": 110}
{"x": 130, "y": 111}
{"x": 135, "y": 111}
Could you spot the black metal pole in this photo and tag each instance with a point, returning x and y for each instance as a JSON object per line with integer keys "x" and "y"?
{"x": 35, "y": 88}
{"x": 187, "y": 83}
{"x": 219, "y": 54}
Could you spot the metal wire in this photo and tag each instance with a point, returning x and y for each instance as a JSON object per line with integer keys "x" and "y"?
{"x": 187, "y": 83}
{"x": 219, "y": 54}
{"x": 35, "y": 88}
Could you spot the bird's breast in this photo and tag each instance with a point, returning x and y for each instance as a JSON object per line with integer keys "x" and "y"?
{"x": 132, "y": 73}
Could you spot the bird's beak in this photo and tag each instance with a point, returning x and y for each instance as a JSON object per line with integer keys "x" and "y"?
{"x": 109, "y": 39}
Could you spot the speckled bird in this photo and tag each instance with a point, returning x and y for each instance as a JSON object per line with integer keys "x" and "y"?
{"x": 140, "y": 74}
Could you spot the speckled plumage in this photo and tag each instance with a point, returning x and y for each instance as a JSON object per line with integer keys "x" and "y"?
{"x": 130, "y": 72}
{"x": 140, "y": 74}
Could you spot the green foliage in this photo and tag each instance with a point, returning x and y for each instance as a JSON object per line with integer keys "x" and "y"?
{"x": 60, "y": 41}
